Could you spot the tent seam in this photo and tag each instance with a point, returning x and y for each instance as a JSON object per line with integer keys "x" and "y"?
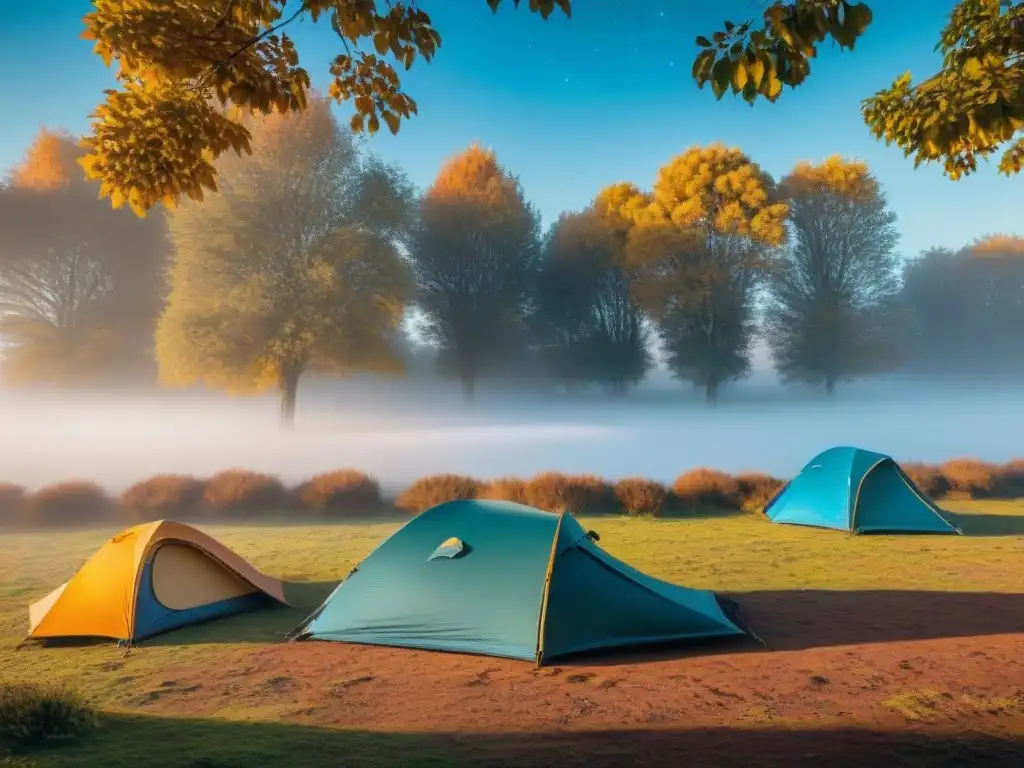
{"x": 546, "y": 593}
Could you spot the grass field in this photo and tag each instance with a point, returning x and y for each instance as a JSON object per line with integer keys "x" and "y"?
{"x": 908, "y": 649}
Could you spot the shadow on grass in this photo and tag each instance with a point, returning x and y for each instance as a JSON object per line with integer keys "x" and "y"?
{"x": 975, "y": 524}
{"x": 801, "y": 620}
{"x": 148, "y": 742}
{"x": 269, "y": 625}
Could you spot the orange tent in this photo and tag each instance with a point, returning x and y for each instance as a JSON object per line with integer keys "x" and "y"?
{"x": 149, "y": 579}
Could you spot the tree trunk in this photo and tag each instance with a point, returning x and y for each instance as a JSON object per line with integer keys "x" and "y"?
{"x": 711, "y": 391}
{"x": 830, "y": 385}
{"x": 289, "y": 386}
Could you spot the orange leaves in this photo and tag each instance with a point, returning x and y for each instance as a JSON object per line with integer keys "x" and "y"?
{"x": 476, "y": 176}
{"x": 48, "y": 164}
{"x": 848, "y": 178}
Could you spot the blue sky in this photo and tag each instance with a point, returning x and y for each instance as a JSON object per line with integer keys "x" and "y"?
{"x": 573, "y": 105}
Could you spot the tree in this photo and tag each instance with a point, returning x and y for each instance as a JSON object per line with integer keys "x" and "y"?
{"x": 183, "y": 65}
{"x": 589, "y": 326}
{"x": 967, "y": 308}
{"x": 475, "y": 254}
{"x": 291, "y": 267}
{"x": 834, "y": 290}
{"x": 701, "y": 243}
{"x": 969, "y": 109}
{"x": 79, "y": 283}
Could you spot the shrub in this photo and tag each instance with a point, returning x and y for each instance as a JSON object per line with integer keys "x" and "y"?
{"x": 640, "y": 496}
{"x": 31, "y": 714}
{"x": 578, "y": 494}
{"x": 12, "y": 502}
{"x": 706, "y": 489}
{"x": 241, "y": 493}
{"x": 970, "y": 477}
{"x": 927, "y": 477}
{"x": 1010, "y": 480}
{"x": 756, "y": 489}
{"x": 341, "y": 493}
{"x": 68, "y": 503}
{"x": 505, "y": 489}
{"x": 164, "y": 496}
{"x": 432, "y": 490}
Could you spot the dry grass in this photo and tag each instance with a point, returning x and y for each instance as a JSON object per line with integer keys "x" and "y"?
{"x": 707, "y": 489}
{"x": 240, "y": 493}
{"x": 12, "y": 501}
{"x": 505, "y": 489}
{"x": 73, "y": 502}
{"x": 342, "y": 493}
{"x": 970, "y": 477}
{"x": 430, "y": 491}
{"x": 164, "y": 496}
{"x": 756, "y": 490}
{"x": 640, "y": 496}
{"x": 928, "y": 478}
{"x": 579, "y": 494}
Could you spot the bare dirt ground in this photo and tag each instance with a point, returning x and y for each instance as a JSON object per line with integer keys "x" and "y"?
{"x": 904, "y": 678}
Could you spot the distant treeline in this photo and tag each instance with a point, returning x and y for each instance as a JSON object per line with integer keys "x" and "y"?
{"x": 239, "y": 495}
{"x": 314, "y": 253}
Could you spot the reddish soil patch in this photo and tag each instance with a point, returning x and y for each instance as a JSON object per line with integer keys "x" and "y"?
{"x": 835, "y": 662}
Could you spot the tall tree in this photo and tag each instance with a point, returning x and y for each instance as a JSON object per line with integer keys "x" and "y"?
{"x": 292, "y": 266}
{"x": 968, "y": 110}
{"x": 475, "y": 254}
{"x": 967, "y": 308}
{"x": 590, "y": 328}
{"x": 702, "y": 243}
{"x": 832, "y": 314}
{"x": 79, "y": 283}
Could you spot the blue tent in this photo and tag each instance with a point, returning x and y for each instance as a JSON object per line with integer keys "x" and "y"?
{"x": 860, "y": 491}
{"x": 502, "y": 579}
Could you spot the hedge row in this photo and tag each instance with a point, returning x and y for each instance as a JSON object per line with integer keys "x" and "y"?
{"x": 239, "y": 494}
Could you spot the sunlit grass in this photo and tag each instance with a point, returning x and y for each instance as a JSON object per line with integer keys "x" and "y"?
{"x": 739, "y": 553}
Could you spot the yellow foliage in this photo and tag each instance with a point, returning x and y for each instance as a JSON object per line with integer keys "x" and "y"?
{"x": 847, "y": 178}
{"x": 154, "y": 140}
{"x": 717, "y": 189}
{"x": 270, "y": 277}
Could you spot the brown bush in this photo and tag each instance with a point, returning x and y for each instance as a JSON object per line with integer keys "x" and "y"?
{"x": 970, "y": 477}
{"x": 927, "y": 477}
{"x": 640, "y": 496}
{"x": 1010, "y": 479}
{"x": 756, "y": 489}
{"x": 505, "y": 489}
{"x": 341, "y": 493}
{"x": 241, "y": 493}
{"x": 69, "y": 503}
{"x": 432, "y": 490}
{"x": 706, "y": 489}
{"x": 164, "y": 496}
{"x": 12, "y": 502}
{"x": 578, "y": 494}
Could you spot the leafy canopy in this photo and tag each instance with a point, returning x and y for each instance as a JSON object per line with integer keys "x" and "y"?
{"x": 831, "y": 313}
{"x": 188, "y": 67}
{"x": 968, "y": 110}
{"x": 289, "y": 267}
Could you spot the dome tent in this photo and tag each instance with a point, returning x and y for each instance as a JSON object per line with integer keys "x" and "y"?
{"x": 503, "y": 579}
{"x": 149, "y": 579}
{"x": 851, "y": 489}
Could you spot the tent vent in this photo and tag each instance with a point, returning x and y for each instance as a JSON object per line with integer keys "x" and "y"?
{"x": 450, "y": 549}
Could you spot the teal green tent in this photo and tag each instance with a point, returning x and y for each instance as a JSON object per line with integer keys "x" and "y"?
{"x": 860, "y": 491}
{"x": 503, "y": 579}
